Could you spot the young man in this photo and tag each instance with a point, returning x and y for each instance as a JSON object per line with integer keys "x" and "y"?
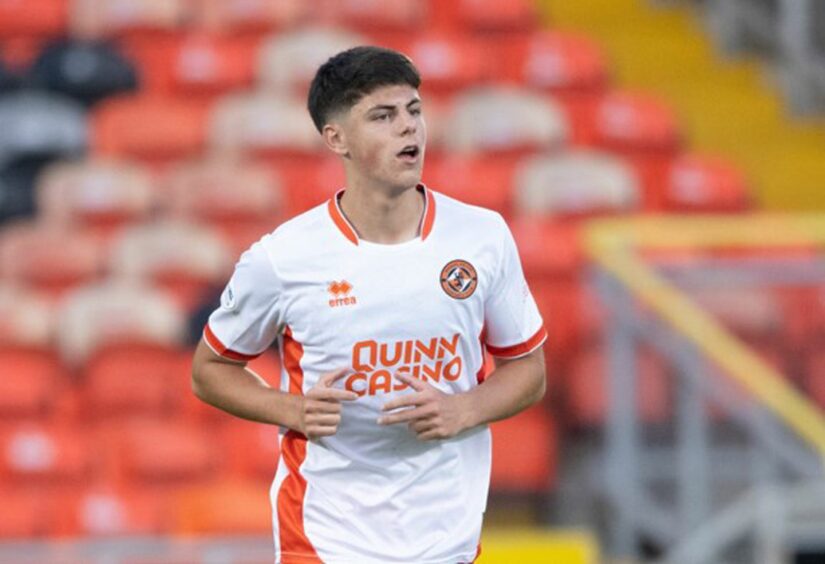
{"x": 382, "y": 301}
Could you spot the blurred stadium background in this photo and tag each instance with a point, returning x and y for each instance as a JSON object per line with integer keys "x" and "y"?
{"x": 661, "y": 164}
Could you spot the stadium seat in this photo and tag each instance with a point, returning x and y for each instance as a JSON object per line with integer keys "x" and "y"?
{"x": 548, "y": 249}
{"x": 307, "y": 187}
{"x": 166, "y": 452}
{"x": 32, "y": 380}
{"x": 25, "y": 318}
{"x": 182, "y": 258}
{"x": 524, "y": 453}
{"x": 482, "y": 181}
{"x": 245, "y": 18}
{"x": 123, "y": 380}
{"x": 26, "y": 513}
{"x": 586, "y": 389}
{"x": 288, "y": 61}
{"x": 102, "y": 195}
{"x": 376, "y": 17}
{"x": 126, "y": 19}
{"x": 628, "y": 121}
{"x": 576, "y": 183}
{"x": 516, "y": 16}
{"x": 447, "y": 62}
{"x": 242, "y": 199}
{"x": 150, "y": 128}
{"x": 48, "y": 258}
{"x": 116, "y": 312}
{"x": 251, "y": 449}
{"x": 35, "y": 124}
{"x": 37, "y": 19}
{"x": 196, "y": 65}
{"x": 504, "y": 120}
{"x": 263, "y": 124}
{"x": 703, "y": 183}
{"x": 564, "y": 63}
{"x": 233, "y": 507}
{"x": 107, "y": 510}
{"x": 84, "y": 70}
{"x": 44, "y": 454}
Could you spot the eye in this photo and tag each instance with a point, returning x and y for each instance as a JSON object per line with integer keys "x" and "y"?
{"x": 381, "y": 117}
{"x": 415, "y": 111}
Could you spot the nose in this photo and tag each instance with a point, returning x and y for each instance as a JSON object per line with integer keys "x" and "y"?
{"x": 409, "y": 123}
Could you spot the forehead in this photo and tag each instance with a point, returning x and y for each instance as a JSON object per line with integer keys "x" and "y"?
{"x": 391, "y": 95}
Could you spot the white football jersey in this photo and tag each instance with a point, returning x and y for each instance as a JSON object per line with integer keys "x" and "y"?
{"x": 426, "y": 307}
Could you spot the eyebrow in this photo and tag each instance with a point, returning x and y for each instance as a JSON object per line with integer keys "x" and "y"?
{"x": 392, "y": 107}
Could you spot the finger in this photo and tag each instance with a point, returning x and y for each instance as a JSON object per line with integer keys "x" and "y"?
{"x": 330, "y": 378}
{"x": 414, "y": 383}
{"x": 403, "y": 401}
{"x": 402, "y": 416}
{"x": 421, "y": 425}
{"x": 327, "y": 431}
{"x": 331, "y": 394}
{"x": 325, "y": 420}
{"x": 432, "y": 435}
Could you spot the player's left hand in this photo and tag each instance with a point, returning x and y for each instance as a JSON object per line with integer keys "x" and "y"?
{"x": 430, "y": 413}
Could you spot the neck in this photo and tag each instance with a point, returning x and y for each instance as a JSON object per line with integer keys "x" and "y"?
{"x": 381, "y": 215}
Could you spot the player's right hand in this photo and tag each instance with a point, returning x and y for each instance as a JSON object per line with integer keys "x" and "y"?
{"x": 321, "y": 406}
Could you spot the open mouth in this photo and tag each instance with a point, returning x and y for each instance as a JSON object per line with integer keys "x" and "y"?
{"x": 410, "y": 152}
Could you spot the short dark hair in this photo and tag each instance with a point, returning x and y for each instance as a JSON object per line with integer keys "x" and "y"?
{"x": 352, "y": 74}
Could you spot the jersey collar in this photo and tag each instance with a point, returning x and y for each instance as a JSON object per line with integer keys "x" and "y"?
{"x": 346, "y": 228}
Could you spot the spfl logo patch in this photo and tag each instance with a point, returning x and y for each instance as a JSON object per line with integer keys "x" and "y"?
{"x": 459, "y": 279}
{"x": 228, "y": 297}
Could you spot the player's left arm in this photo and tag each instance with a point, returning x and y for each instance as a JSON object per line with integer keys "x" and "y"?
{"x": 513, "y": 386}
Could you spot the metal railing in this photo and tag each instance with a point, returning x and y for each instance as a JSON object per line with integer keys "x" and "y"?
{"x": 738, "y": 425}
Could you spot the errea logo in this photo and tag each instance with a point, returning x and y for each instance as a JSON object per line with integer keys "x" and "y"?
{"x": 340, "y": 294}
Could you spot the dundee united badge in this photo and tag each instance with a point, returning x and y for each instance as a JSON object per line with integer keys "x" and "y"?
{"x": 459, "y": 279}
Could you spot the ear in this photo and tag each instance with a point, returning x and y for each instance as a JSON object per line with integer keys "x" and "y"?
{"x": 335, "y": 139}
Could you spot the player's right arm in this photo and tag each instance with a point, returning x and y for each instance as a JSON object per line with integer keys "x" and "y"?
{"x": 245, "y": 324}
{"x": 231, "y": 386}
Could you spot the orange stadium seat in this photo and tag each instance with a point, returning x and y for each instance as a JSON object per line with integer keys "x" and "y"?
{"x": 504, "y": 120}
{"x": 224, "y": 507}
{"x": 151, "y": 128}
{"x": 448, "y": 62}
{"x": 33, "y": 18}
{"x": 490, "y": 16}
{"x": 32, "y": 380}
{"x": 116, "y": 312}
{"x": 163, "y": 452}
{"x": 754, "y": 314}
{"x": 548, "y": 249}
{"x": 26, "y": 513}
{"x": 482, "y": 181}
{"x": 243, "y": 18}
{"x": 525, "y": 450}
{"x": 377, "y": 17}
{"x": 251, "y": 449}
{"x": 103, "y": 510}
{"x": 561, "y": 62}
{"x": 127, "y": 19}
{"x": 102, "y": 195}
{"x": 184, "y": 259}
{"x": 242, "y": 199}
{"x": 264, "y": 124}
{"x": 51, "y": 259}
{"x": 586, "y": 395}
{"x": 288, "y": 61}
{"x": 196, "y": 65}
{"x": 44, "y": 454}
{"x": 125, "y": 379}
{"x": 309, "y": 186}
{"x": 701, "y": 183}
{"x": 576, "y": 183}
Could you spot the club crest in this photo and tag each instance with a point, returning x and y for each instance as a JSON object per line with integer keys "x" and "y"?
{"x": 459, "y": 279}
